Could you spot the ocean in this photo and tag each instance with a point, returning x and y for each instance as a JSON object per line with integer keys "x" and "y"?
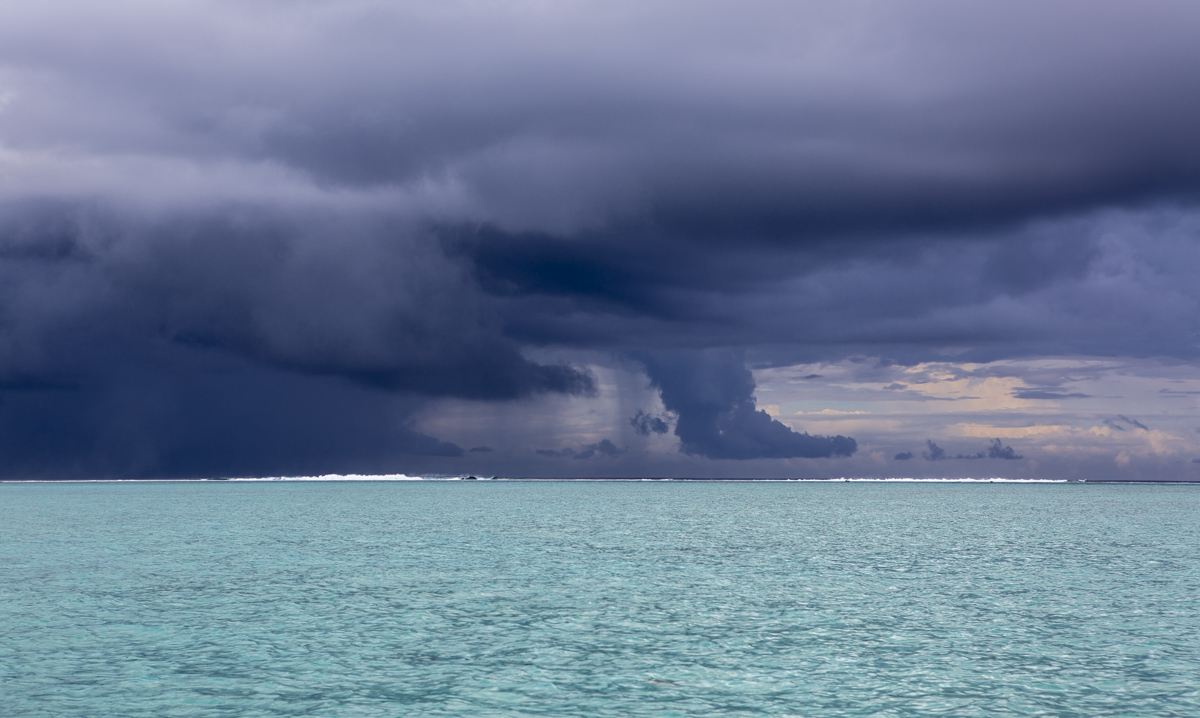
{"x": 489, "y": 598}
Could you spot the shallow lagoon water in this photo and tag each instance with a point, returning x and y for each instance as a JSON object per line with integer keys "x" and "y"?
{"x": 599, "y": 599}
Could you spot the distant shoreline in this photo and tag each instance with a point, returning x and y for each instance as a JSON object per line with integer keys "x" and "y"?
{"x": 395, "y": 478}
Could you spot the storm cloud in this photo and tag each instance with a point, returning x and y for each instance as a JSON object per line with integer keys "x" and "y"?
{"x": 646, "y": 424}
{"x": 712, "y": 394}
{"x": 1044, "y": 394}
{"x": 995, "y": 450}
{"x": 227, "y": 229}
{"x": 998, "y": 451}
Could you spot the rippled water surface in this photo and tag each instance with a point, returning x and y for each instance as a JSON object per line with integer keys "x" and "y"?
{"x": 598, "y": 599}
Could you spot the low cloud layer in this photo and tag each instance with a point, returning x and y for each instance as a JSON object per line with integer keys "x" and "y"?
{"x": 933, "y": 452}
{"x": 604, "y": 447}
{"x": 645, "y": 424}
{"x": 712, "y": 394}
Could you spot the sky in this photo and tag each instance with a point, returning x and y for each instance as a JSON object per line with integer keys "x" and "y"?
{"x": 585, "y": 239}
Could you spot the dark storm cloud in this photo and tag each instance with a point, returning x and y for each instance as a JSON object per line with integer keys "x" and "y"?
{"x": 1116, "y": 424}
{"x": 645, "y": 424}
{"x": 637, "y": 283}
{"x": 712, "y": 395}
{"x": 903, "y": 456}
{"x": 139, "y": 419}
{"x": 1133, "y": 422}
{"x": 376, "y": 204}
{"x": 373, "y": 307}
{"x": 995, "y": 450}
{"x": 908, "y": 298}
{"x": 1043, "y": 394}
{"x": 121, "y": 339}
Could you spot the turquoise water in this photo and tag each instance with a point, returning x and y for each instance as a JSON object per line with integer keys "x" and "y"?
{"x": 598, "y": 599}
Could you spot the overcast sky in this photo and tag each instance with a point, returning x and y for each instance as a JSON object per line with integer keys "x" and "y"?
{"x": 578, "y": 238}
